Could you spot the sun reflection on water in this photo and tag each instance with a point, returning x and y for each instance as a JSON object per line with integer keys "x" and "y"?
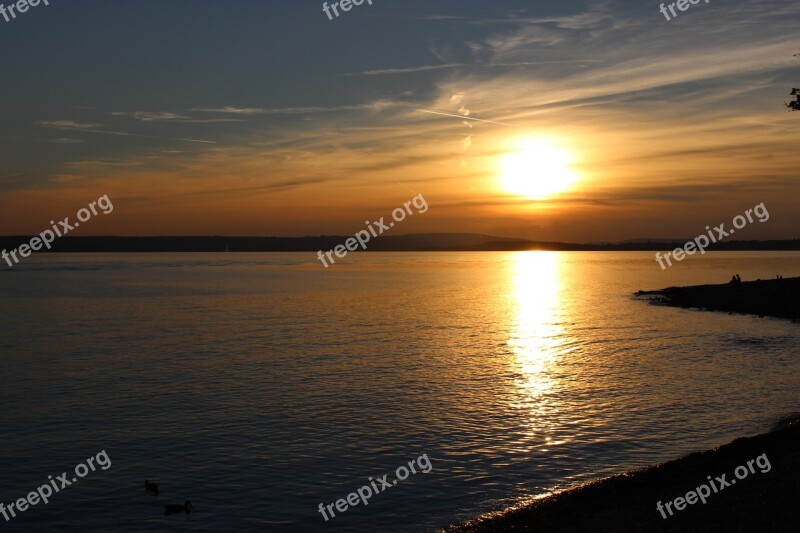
{"x": 536, "y": 338}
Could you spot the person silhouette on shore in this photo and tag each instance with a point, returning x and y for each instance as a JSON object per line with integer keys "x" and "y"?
{"x": 736, "y": 279}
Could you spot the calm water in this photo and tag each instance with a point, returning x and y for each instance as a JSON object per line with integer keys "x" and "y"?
{"x": 260, "y": 385}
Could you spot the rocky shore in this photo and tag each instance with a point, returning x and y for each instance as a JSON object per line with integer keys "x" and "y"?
{"x": 778, "y": 298}
{"x": 763, "y": 500}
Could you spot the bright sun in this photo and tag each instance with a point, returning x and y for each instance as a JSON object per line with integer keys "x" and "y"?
{"x": 538, "y": 170}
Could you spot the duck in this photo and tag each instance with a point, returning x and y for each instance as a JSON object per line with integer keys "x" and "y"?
{"x": 152, "y": 487}
{"x": 178, "y": 508}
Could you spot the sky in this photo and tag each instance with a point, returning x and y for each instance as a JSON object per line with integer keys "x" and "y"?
{"x": 265, "y": 117}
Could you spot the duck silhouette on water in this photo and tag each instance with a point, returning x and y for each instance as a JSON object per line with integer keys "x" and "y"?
{"x": 151, "y": 487}
{"x": 178, "y": 508}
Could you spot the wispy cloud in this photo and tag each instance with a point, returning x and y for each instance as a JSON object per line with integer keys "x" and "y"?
{"x": 167, "y": 116}
{"x": 377, "y": 105}
{"x": 406, "y": 70}
{"x": 465, "y": 66}
{"x": 149, "y": 116}
{"x": 69, "y": 125}
{"x": 276, "y": 111}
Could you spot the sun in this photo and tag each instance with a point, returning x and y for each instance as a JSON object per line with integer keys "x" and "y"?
{"x": 539, "y": 169}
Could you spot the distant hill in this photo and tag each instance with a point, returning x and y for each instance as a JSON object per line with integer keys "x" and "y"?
{"x": 420, "y": 242}
{"x": 639, "y": 241}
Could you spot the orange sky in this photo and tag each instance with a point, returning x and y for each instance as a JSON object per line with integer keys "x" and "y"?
{"x": 669, "y": 126}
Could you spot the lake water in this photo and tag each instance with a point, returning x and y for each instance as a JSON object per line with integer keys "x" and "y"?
{"x": 261, "y": 385}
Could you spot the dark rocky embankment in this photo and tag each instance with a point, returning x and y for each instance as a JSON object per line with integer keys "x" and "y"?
{"x": 775, "y": 297}
{"x": 627, "y": 502}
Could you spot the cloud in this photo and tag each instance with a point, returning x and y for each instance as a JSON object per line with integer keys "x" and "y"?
{"x": 611, "y": 66}
{"x": 466, "y": 142}
{"x": 278, "y": 111}
{"x": 167, "y": 116}
{"x": 371, "y": 106}
{"x": 283, "y": 185}
{"x": 463, "y": 66}
{"x": 406, "y": 70}
{"x": 69, "y": 125}
{"x": 149, "y": 116}
{"x": 104, "y": 163}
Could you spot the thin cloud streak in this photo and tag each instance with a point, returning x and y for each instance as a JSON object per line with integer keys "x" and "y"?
{"x": 463, "y": 117}
{"x": 280, "y": 111}
{"x": 90, "y": 129}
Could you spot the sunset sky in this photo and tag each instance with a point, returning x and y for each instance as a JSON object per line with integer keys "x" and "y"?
{"x": 253, "y": 117}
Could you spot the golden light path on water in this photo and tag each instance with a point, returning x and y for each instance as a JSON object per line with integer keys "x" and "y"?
{"x": 536, "y": 339}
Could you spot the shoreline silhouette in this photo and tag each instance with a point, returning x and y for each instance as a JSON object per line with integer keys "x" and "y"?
{"x": 778, "y": 298}
{"x": 627, "y": 501}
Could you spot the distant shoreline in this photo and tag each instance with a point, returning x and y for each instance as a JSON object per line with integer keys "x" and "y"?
{"x": 425, "y": 242}
{"x": 628, "y": 502}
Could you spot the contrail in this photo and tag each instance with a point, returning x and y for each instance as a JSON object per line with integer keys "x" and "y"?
{"x": 403, "y": 185}
{"x": 463, "y": 117}
{"x": 107, "y": 132}
{"x": 143, "y": 136}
